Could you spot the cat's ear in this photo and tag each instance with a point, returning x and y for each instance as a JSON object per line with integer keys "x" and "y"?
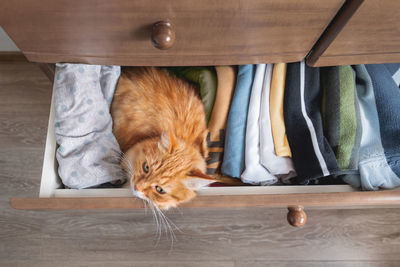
{"x": 197, "y": 179}
{"x": 168, "y": 141}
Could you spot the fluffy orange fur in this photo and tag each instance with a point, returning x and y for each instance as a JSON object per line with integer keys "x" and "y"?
{"x": 159, "y": 122}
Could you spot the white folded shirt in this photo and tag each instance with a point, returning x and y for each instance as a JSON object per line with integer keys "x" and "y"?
{"x": 281, "y": 167}
{"x": 254, "y": 172}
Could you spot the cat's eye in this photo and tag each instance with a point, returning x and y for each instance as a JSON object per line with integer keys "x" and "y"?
{"x": 159, "y": 189}
{"x": 146, "y": 167}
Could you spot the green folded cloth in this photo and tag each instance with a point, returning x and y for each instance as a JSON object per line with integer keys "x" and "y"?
{"x": 341, "y": 115}
{"x": 205, "y": 79}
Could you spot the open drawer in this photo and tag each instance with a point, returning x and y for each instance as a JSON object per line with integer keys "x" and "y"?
{"x": 205, "y": 33}
{"x": 54, "y": 197}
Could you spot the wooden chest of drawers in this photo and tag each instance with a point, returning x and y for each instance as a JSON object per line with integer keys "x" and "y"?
{"x": 195, "y": 33}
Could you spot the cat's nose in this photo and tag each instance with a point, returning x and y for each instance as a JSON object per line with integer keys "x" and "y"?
{"x": 135, "y": 188}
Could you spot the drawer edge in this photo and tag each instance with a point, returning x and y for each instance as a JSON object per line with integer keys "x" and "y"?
{"x": 355, "y": 59}
{"x": 386, "y": 198}
{"x": 164, "y": 61}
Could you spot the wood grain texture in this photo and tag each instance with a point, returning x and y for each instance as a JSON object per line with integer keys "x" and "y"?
{"x": 150, "y": 263}
{"x": 335, "y": 26}
{"x": 265, "y": 263}
{"x": 319, "y": 264}
{"x": 371, "y": 36}
{"x": 341, "y": 199}
{"x": 217, "y": 235}
{"x": 210, "y": 237}
{"x": 23, "y": 85}
{"x": 207, "y": 32}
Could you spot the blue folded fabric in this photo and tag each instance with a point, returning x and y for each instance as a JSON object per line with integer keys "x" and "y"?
{"x": 233, "y": 162}
{"x": 379, "y": 97}
{"x": 387, "y": 95}
{"x": 394, "y": 71}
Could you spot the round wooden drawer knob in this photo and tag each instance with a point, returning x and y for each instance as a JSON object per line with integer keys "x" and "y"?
{"x": 163, "y": 35}
{"x": 296, "y": 216}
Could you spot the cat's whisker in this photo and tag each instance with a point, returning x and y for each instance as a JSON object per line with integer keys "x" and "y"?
{"x": 131, "y": 169}
{"x": 163, "y": 222}
{"x": 171, "y": 231}
{"x": 158, "y": 232}
{"x": 172, "y": 234}
{"x": 118, "y": 157}
{"x": 145, "y": 206}
{"x": 128, "y": 170}
{"x": 166, "y": 226}
{"x": 168, "y": 223}
{"x": 158, "y": 226}
{"x": 128, "y": 165}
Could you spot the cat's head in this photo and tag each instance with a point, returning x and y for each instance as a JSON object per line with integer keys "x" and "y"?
{"x": 165, "y": 170}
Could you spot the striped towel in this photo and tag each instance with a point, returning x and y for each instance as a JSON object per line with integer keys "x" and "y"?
{"x": 216, "y": 136}
{"x": 341, "y": 115}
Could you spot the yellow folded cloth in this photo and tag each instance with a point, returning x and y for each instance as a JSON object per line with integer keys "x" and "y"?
{"x": 277, "y": 93}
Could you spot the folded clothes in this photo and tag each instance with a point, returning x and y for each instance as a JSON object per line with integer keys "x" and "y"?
{"x": 205, "y": 79}
{"x": 265, "y": 122}
{"x": 281, "y": 144}
{"x": 387, "y": 95}
{"x": 254, "y": 172}
{"x": 341, "y": 115}
{"x": 215, "y": 140}
{"x": 379, "y": 94}
{"x": 88, "y": 153}
{"x": 311, "y": 153}
{"x": 394, "y": 71}
{"x": 234, "y": 152}
{"x": 281, "y": 167}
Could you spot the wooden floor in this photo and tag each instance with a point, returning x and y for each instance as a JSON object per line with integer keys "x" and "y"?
{"x": 236, "y": 237}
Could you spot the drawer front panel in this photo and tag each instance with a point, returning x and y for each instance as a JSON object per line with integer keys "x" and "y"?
{"x": 372, "y": 35}
{"x": 207, "y": 32}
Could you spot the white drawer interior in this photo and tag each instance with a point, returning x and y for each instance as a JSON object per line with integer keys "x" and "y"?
{"x": 51, "y": 185}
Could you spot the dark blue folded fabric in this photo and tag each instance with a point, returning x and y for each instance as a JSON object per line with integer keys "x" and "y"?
{"x": 233, "y": 163}
{"x": 312, "y": 155}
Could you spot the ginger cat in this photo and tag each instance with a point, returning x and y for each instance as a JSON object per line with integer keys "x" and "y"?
{"x": 159, "y": 122}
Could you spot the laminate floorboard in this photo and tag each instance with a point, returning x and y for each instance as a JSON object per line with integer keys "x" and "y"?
{"x": 207, "y": 237}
